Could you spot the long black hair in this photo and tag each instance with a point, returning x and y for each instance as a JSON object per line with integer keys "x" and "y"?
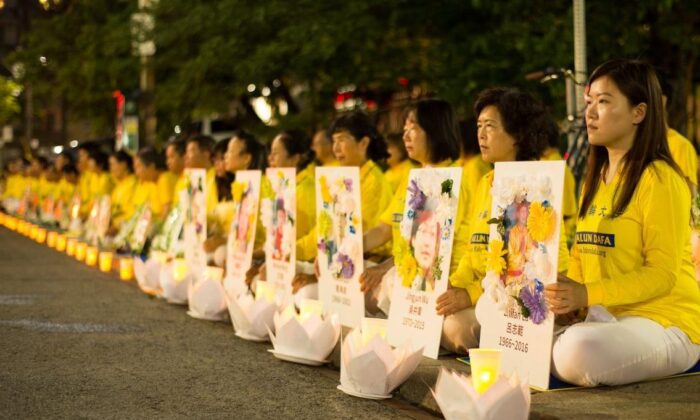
{"x": 438, "y": 120}
{"x": 638, "y": 83}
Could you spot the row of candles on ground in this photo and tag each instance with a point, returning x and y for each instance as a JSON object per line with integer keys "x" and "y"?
{"x": 485, "y": 363}
{"x": 82, "y": 251}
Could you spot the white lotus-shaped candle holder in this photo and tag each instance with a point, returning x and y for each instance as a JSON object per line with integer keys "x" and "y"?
{"x": 251, "y": 317}
{"x": 506, "y": 398}
{"x": 175, "y": 280}
{"x": 306, "y": 339}
{"x": 148, "y": 274}
{"x": 207, "y": 298}
{"x": 373, "y": 369}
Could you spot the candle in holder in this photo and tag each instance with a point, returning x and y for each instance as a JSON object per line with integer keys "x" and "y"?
{"x": 60, "y": 242}
{"x": 70, "y": 246}
{"x": 159, "y": 256}
{"x": 179, "y": 269}
{"x": 105, "y": 261}
{"x": 80, "y": 251}
{"x": 309, "y": 308}
{"x": 486, "y": 366}
{"x": 91, "y": 256}
{"x": 265, "y": 290}
{"x": 372, "y": 327}
{"x": 40, "y": 235}
{"x": 215, "y": 273}
{"x": 33, "y": 231}
{"x": 51, "y": 239}
{"x": 126, "y": 268}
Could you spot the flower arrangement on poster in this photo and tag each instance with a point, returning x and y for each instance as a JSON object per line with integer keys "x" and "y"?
{"x": 517, "y": 260}
{"x": 422, "y": 253}
{"x": 428, "y": 221}
{"x": 278, "y": 216}
{"x": 337, "y": 221}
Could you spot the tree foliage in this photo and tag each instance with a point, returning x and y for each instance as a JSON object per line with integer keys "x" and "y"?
{"x": 209, "y": 51}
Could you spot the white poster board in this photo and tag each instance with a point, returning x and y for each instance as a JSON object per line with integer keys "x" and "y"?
{"x": 195, "y": 223}
{"x": 423, "y": 253}
{"x": 522, "y": 259}
{"x": 279, "y": 216}
{"x": 339, "y": 236}
{"x": 241, "y": 237}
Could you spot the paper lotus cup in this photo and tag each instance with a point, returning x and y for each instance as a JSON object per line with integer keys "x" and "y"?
{"x": 507, "y": 398}
{"x": 252, "y": 318}
{"x": 207, "y": 300}
{"x": 144, "y": 280}
{"x": 174, "y": 291}
{"x": 311, "y": 338}
{"x": 374, "y": 370}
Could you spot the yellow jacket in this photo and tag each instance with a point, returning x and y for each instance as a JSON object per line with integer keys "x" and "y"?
{"x": 684, "y": 155}
{"x": 306, "y": 200}
{"x": 166, "y": 187}
{"x": 145, "y": 194}
{"x": 65, "y": 190}
{"x": 474, "y": 167}
{"x": 375, "y": 198}
{"x": 180, "y": 186}
{"x": 14, "y": 188}
{"x": 639, "y": 264}
{"x": 471, "y": 269}
{"x": 121, "y": 198}
{"x": 396, "y": 175}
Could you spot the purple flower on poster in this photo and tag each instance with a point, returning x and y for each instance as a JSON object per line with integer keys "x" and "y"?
{"x": 534, "y": 302}
{"x": 418, "y": 197}
{"x": 348, "y": 184}
{"x": 347, "y": 267}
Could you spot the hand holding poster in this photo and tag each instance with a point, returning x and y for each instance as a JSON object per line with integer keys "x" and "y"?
{"x": 196, "y": 221}
{"x": 522, "y": 259}
{"x": 241, "y": 238}
{"x": 279, "y": 218}
{"x": 423, "y": 257}
{"x": 339, "y": 235}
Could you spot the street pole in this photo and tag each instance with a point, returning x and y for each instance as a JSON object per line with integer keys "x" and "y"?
{"x": 580, "y": 66}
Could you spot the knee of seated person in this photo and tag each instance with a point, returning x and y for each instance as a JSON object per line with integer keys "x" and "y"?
{"x": 460, "y": 332}
{"x": 220, "y": 256}
{"x": 577, "y": 355}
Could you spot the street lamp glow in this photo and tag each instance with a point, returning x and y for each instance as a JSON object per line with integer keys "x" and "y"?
{"x": 73, "y": 143}
{"x": 42, "y": 60}
{"x": 57, "y": 149}
{"x": 251, "y": 88}
{"x": 265, "y": 91}
{"x": 177, "y": 129}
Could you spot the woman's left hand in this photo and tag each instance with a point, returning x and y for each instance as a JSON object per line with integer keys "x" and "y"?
{"x": 453, "y": 300}
{"x": 565, "y": 295}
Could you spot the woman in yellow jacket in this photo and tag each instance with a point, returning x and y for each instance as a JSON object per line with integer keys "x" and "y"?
{"x": 122, "y": 170}
{"x": 630, "y": 264}
{"x": 510, "y": 127}
{"x": 356, "y": 142}
{"x": 100, "y": 182}
{"x": 146, "y": 168}
{"x": 431, "y": 137}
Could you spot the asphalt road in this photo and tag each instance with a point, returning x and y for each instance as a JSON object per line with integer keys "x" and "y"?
{"x": 77, "y": 343}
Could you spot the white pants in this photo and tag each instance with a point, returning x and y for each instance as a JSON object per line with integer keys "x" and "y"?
{"x": 621, "y": 351}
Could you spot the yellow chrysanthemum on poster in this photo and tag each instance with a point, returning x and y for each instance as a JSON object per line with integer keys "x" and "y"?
{"x": 541, "y": 222}
{"x": 493, "y": 259}
{"x": 325, "y": 190}
{"x": 407, "y": 269}
{"x": 237, "y": 191}
{"x": 325, "y": 224}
